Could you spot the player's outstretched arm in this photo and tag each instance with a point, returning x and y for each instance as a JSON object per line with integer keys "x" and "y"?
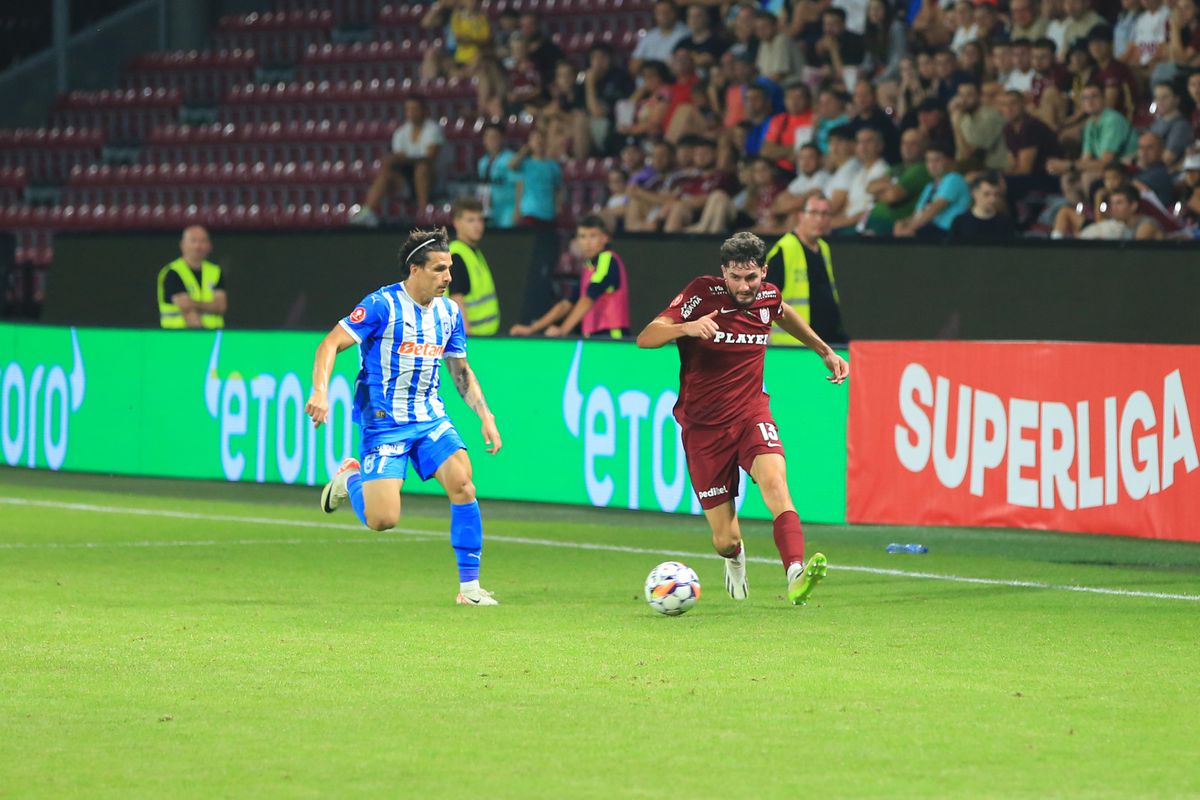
{"x": 662, "y": 330}
{"x": 334, "y": 342}
{"x": 472, "y": 394}
{"x": 794, "y": 324}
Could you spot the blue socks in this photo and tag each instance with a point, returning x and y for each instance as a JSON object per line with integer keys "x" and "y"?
{"x": 466, "y": 537}
{"x": 354, "y": 487}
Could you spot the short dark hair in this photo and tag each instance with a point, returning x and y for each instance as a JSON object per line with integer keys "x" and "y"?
{"x": 837, "y": 12}
{"x": 743, "y": 248}
{"x": 811, "y": 146}
{"x": 1168, "y": 86}
{"x": 1130, "y": 193}
{"x": 990, "y": 178}
{"x": 1021, "y": 42}
{"x": 658, "y": 67}
{"x": 420, "y": 243}
{"x": 940, "y": 147}
{"x": 464, "y": 205}
{"x": 594, "y": 221}
{"x": 844, "y": 132}
{"x": 603, "y": 47}
{"x": 1045, "y": 43}
{"x": 493, "y": 126}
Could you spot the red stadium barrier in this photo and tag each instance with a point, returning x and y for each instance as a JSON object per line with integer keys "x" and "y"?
{"x": 1093, "y": 438}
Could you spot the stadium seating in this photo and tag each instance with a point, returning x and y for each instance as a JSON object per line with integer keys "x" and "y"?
{"x": 343, "y": 101}
{"x": 363, "y": 61}
{"x": 48, "y": 154}
{"x": 201, "y": 76}
{"x": 278, "y": 37}
{"x": 125, "y": 115}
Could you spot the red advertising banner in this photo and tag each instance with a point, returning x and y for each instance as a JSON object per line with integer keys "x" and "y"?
{"x": 1094, "y": 438}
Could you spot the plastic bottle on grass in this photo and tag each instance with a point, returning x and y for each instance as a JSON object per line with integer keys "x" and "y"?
{"x": 907, "y": 548}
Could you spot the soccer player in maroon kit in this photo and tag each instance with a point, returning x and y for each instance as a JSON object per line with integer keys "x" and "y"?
{"x": 721, "y": 326}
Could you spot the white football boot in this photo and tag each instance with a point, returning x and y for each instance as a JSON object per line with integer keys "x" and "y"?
{"x": 335, "y": 493}
{"x": 475, "y": 595}
{"x": 735, "y": 576}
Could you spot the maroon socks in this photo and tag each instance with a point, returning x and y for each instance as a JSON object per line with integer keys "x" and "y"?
{"x": 789, "y": 538}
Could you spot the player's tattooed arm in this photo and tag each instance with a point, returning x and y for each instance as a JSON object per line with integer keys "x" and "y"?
{"x": 468, "y": 386}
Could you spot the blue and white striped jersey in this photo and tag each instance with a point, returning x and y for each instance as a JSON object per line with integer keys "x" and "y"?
{"x": 402, "y": 346}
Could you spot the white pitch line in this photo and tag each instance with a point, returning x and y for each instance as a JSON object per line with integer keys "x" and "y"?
{"x": 412, "y": 534}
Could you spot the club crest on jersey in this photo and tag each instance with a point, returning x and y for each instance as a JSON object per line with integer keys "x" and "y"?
{"x": 358, "y": 315}
{"x": 764, "y": 314}
{"x": 678, "y": 299}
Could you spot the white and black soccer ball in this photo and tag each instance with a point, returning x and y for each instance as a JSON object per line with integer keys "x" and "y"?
{"x": 672, "y": 588}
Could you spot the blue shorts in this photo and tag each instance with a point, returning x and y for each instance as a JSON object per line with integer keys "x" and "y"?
{"x": 426, "y": 444}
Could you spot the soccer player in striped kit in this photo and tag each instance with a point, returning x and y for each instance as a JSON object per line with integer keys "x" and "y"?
{"x": 404, "y": 331}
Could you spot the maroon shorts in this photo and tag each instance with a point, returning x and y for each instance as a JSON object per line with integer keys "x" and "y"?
{"x": 715, "y": 453}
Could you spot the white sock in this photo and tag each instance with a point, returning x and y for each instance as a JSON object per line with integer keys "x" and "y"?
{"x": 794, "y": 570}
{"x": 469, "y": 586}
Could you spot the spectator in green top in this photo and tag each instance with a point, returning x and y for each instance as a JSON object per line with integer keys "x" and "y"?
{"x": 1107, "y": 138}
{"x": 896, "y": 195}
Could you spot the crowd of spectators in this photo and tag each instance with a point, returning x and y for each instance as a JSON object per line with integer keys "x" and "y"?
{"x": 971, "y": 121}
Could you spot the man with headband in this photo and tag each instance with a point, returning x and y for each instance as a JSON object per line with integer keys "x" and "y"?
{"x": 404, "y": 331}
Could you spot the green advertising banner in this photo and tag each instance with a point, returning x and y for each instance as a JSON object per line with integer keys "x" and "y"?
{"x": 583, "y": 422}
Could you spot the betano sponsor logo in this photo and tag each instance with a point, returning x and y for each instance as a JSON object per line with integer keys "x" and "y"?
{"x": 36, "y": 409}
{"x": 1049, "y": 454}
{"x": 593, "y": 417}
{"x": 421, "y": 350}
{"x": 263, "y": 424}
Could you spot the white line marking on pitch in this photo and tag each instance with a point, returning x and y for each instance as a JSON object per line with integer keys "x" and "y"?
{"x": 411, "y": 534}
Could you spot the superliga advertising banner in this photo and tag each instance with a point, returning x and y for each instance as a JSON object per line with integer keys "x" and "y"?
{"x": 1094, "y": 438}
{"x": 582, "y": 422}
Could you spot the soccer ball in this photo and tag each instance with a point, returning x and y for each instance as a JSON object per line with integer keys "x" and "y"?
{"x": 672, "y": 588}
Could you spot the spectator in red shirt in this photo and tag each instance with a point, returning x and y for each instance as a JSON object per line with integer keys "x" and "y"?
{"x": 1115, "y": 77}
{"x": 1030, "y": 142}
{"x": 790, "y": 129}
{"x": 1048, "y": 93}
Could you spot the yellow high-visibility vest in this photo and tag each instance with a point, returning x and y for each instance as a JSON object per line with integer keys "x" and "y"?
{"x": 169, "y": 315}
{"x": 482, "y": 307}
{"x": 795, "y": 289}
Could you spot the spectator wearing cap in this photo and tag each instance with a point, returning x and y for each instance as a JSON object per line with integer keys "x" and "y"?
{"x": 705, "y": 45}
{"x": 1079, "y": 21}
{"x": 896, "y": 194}
{"x": 867, "y": 113}
{"x": 1169, "y": 124}
{"x": 1115, "y": 77}
{"x": 791, "y": 128}
{"x": 1183, "y": 43}
{"x": 1149, "y": 45}
{"x": 1026, "y": 24}
{"x": 850, "y": 199}
{"x": 941, "y": 201}
{"x": 983, "y": 222}
{"x": 778, "y": 56}
{"x": 1107, "y": 138}
{"x": 1152, "y": 174}
{"x": 659, "y": 42}
{"x": 1030, "y": 144}
{"x": 831, "y": 113}
{"x": 978, "y": 131}
{"x": 1124, "y": 222}
{"x": 604, "y": 85}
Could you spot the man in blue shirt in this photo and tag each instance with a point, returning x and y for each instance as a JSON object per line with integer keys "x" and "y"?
{"x": 403, "y": 332}
{"x": 942, "y": 199}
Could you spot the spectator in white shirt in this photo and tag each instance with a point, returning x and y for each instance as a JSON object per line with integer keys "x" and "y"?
{"x": 413, "y": 162}
{"x": 851, "y": 197}
{"x": 659, "y": 42}
{"x": 1023, "y": 73}
{"x": 810, "y": 176}
{"x": 1149, "y": 35}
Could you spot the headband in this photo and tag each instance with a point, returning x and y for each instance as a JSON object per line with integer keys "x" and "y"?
{"x": 418, "y": 247}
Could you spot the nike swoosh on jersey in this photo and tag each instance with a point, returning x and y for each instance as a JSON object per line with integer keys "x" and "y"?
{"x": 728, "y": 310}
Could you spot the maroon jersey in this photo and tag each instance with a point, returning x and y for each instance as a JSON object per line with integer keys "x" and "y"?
{"x": 721, "y": 379}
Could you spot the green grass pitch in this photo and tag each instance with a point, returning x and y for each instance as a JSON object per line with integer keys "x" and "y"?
{"x": 167, "y": 639}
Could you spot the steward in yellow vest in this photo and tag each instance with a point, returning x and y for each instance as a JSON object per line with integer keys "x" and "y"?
{"x": 192, "y": 297}
{"x": 805, "y": 276}
{"x": 471, "y": 283}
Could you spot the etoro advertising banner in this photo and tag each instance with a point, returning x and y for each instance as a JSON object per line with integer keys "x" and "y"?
{"x": 582, "y": 422}
{"x": 1094, "y": 438}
